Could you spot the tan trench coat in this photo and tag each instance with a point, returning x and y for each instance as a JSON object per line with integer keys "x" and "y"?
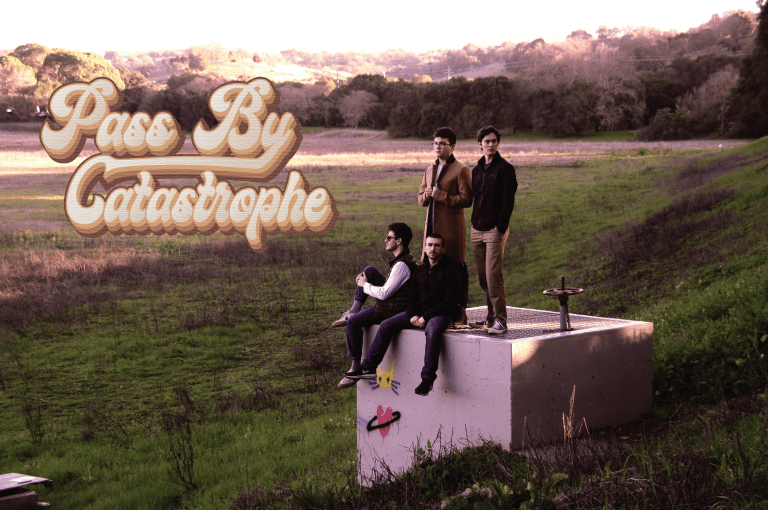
{"x": 452, "y": 195}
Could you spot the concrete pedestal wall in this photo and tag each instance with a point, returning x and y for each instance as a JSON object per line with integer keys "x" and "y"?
{"x": 489, "y": 388}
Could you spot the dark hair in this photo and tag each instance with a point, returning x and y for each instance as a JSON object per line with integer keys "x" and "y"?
{"x": 487, "y": 130}
{"x": 435, "y": 235}
{"x": 401, "y": 231}
{"x": 446, "y": 132}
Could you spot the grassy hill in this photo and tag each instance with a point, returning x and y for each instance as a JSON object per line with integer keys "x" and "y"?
{"x": 163, "y": 372}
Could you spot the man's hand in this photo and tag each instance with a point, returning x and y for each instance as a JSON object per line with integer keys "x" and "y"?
{"x": 417, "y": 321}
{"x": 428, "y": 192}
{"x": 361, "y": 280}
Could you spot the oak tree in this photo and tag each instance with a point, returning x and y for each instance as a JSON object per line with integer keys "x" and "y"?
{"x": 354, "y": 105}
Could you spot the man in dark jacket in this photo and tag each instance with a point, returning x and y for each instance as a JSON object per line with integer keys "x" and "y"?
{"x": 433, "y": 301}
{"x": 391, "y": 293}
{"x": 494, "y": 185}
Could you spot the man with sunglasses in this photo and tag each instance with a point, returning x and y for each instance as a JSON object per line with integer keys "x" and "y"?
{"x": 446, "y": 190}
{"x": 434, "y": 293}
{"x": 391, "y": 293}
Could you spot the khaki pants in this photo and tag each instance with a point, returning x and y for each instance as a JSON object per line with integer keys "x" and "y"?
{"x": 488, "y": 248}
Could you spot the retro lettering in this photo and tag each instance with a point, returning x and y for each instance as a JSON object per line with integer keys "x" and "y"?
{"x": 80, "y": 108}
{"x": 121, "y": 134}
{"x": 250, "y": 143}
{"x": 144, "y": 208}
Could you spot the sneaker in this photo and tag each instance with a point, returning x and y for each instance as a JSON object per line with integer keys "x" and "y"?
{"x": 342, "y": 321}
{"x": 347, "y": 382}
{"x": 497, "y": 329}
{"x": 361, "y": 373}
{"x": 479, "y": 325}
{"x": 424, "y": 388}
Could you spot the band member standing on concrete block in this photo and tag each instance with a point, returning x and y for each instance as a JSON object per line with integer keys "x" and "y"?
{"x": 391, "y": 293}
{"x": 434, "y": 293}
{"x": 494, "y": 185}
{"x": 446, "y": 189}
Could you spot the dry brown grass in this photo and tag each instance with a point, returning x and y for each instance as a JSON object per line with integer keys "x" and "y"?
{"x": 46, "y": 271}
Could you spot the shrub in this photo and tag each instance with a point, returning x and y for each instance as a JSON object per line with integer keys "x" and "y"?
{"x": 666, "y": 125}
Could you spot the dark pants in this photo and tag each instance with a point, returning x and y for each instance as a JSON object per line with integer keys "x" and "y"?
{"x": 389, "y": 328}
{"x": 461, "y": 267}
{"x": 364, "y": 318}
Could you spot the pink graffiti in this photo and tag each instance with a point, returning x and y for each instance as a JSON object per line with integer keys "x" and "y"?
{"x": 383, "y": 417}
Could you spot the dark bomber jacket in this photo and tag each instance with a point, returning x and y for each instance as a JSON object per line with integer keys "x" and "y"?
{"x": 434, "y": 290}
{"x": 494, "y": 194}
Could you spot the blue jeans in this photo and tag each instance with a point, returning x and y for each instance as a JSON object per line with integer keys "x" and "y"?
{"x": 389, "y": 328}
{"x": 364, "y": 318}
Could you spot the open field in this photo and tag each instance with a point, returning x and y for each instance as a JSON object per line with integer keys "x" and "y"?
{"x": 361, "y": 159}
{"x": 190, "y": 372}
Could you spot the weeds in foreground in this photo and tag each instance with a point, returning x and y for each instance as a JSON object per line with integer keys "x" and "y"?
{"x": 179, "y": 448}
{"x": 97, "y": 419}
{"x": 707, "y": 457}
{"x": 34, "y": 422}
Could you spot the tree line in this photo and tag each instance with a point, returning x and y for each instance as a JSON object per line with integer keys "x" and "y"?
{"x": 664, "y": 86}
{"x": 698, "y": 91}
{"x": 709, "y": 80}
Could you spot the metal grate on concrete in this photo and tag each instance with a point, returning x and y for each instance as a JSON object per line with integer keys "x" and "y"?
{"x": 528, "y": 323}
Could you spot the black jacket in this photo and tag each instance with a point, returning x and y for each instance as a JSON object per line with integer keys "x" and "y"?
{"x": 434, "y": 290}
{"x": 494, "y": 194}
{"x": 398, "y": 301}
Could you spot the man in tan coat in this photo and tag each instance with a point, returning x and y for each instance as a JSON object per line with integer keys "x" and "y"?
{"x": 446, "y": 190}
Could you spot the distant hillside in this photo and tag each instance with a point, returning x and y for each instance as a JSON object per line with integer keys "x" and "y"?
{"x": 159, "y": 69}
{"x": 729, "y": 33}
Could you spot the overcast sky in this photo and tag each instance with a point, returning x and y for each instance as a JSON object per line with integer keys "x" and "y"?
{"x": 411, "y": 25}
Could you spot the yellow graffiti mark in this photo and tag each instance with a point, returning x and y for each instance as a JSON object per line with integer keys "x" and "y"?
{"x": 385, "y": 378}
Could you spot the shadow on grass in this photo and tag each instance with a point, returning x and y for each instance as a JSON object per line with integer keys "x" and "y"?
{"x": 643, "y": 260}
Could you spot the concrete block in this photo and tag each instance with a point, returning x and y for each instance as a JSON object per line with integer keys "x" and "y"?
{"x": 488, "y": 387}
{"x": 22, "y": 500}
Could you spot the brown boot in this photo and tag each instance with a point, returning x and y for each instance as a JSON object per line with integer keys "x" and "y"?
{"x": 460, "y": 321}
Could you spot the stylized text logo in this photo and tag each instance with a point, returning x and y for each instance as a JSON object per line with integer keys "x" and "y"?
{"x": 249, "y": 143}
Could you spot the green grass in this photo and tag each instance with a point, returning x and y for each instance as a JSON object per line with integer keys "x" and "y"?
{"x": 97, "y": 368}
{"x": 104, "y": 342}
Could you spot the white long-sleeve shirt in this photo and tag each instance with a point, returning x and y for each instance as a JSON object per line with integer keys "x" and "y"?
{"x": 398, "y": 275}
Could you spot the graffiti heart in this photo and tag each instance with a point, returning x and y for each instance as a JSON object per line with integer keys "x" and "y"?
{"x": 384, "y": 419}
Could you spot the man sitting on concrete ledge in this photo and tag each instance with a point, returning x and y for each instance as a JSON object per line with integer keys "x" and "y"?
{"x": 391, "y": 293}
{"x": 434, "y": 297}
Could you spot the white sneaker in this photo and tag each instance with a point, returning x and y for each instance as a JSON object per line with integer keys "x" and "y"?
{"x": 497, "y": 329}
{"x": 342, "y": 321}
{"x": 347, "y": 382}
